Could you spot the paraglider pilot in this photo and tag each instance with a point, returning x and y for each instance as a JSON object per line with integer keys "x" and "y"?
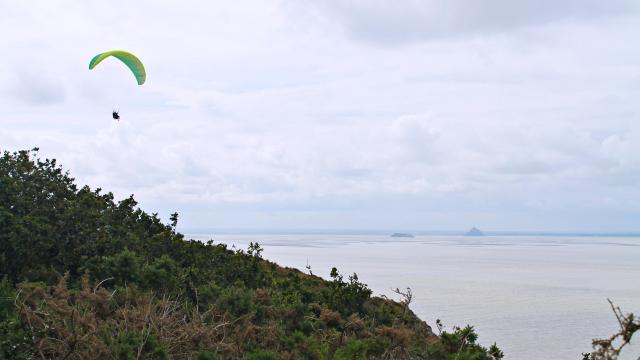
{"x": 115, "y": 115}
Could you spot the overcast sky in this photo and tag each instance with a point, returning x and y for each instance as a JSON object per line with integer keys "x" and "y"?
{"x": 442, "y": 115}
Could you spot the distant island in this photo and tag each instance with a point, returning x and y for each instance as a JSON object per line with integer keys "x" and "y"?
{"x": 474, "y": 232}
{"x": 401, "y": 235}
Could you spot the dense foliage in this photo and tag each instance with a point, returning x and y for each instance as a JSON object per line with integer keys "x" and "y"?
{"x": 84, "y": 276}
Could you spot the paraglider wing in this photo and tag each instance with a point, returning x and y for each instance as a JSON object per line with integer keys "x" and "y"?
{"x": 134, "y": 64}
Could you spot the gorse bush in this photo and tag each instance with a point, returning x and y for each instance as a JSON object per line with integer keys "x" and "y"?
{"x": 85, "y": 276}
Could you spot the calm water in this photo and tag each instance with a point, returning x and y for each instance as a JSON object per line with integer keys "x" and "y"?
{"x": 537, "y": 297}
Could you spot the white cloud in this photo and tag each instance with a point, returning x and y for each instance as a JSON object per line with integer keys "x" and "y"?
{"x": 405, "y": 21}
{"x": 264, "y": 114}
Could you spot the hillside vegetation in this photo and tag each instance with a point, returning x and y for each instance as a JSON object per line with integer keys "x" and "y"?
{"x": 85, "y": 276}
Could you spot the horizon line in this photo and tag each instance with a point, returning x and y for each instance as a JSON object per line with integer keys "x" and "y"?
{"x": 311, "y": 231}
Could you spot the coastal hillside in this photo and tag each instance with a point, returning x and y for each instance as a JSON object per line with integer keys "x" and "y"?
{"x": 85, "y": 276}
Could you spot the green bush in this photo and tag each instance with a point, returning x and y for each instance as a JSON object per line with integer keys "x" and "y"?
{"x": 347, "y": 297}
{"x": 261, "y": 355}
{"x": 353, "y": 350}
{"x": 14, "y": 342}
{"x": 208, "y": 355}
{"x": 236, "y": 299}
{"x": 127, "y": 346}
{"x": 162, "y": 274}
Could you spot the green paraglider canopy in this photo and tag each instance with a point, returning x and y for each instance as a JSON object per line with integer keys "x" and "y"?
{"x": 134, "y": 64}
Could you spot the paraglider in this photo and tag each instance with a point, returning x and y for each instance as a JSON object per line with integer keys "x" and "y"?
{"x": 133, "y": 63}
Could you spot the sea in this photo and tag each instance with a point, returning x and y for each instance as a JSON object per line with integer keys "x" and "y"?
{"x": 537, "y": 297}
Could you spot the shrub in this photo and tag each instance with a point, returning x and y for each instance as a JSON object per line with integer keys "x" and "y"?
{"x": 261, "y": 355}
{"x": 354, "y": 349}
{"x": 162, "y": 274}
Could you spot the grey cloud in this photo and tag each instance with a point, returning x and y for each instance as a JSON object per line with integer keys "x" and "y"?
{"x": 37, "y": 89}
{"x": 353, "y": 173}
{"x": 405, "y": 21}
